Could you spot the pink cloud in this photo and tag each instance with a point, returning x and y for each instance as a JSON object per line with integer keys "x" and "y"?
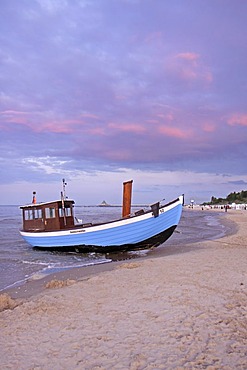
{"x": 41, "y": 122}
{"x": 154, "y": 36}
{"x": 127, "y": 127}
{"x": 89, "y": 115}
{"x": 153, "y": 121}
{"x": 58, "y": 126}
{"x": 121, "y": 155}
{"x": 166, "y": 116}
{"x": 174, "y": 132}
{"x": 120, "y": 97}
{"x": 22, "y": 120}
{"x": 13, "y": 113}
{"x": 208, "y": 127}
{"x": 16, "y": 117}
{"x": 68, "y": 126}
{"x": 238, "y": 119}
{"x": 188, "y": 56}
{"x": 188, "y": 74}
{"x": 99, "y": 131}
{"x": 188, "y": 66}
{"x": 207, "y": 76}
{"x": 55, "y": 127}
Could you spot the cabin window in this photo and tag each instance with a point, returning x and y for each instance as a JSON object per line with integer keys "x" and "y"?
{"x": 39, "y": 213}
{"x": 32, "y": 214}
{"x": 67, "y": 212}
{"x": 50, "y": 213}
{"x": 29, "y": 214}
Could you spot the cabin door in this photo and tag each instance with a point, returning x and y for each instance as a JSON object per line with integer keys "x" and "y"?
{"x": 51, "y": 219}
{"x": 33, "y": 219}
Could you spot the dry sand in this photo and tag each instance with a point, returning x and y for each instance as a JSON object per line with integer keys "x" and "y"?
{"x": 183, "y": 311}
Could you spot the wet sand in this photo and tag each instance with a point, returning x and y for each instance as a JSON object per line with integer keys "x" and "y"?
{"x": 180, "y": 311}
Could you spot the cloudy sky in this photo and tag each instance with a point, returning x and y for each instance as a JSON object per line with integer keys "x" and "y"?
{"x": 103, "y": 91}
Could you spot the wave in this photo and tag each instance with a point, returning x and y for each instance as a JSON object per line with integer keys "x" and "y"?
{"x": 50, "y": 268}
{"x": 16, "y": 283}
{"x": 54, "y": 268}
{"x": 35, "y": 263}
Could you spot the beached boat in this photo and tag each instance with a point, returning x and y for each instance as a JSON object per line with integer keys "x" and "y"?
{"x": 53, "y": 225}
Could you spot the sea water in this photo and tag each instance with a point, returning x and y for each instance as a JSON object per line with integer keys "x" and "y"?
{"x": 20, "y": 262}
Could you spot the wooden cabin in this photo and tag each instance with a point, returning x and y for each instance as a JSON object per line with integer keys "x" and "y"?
{"x": 50, "y": 216}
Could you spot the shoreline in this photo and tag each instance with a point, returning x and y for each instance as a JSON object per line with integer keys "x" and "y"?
{"x": 36, "y": 284}
{"x": 182, "y": 310}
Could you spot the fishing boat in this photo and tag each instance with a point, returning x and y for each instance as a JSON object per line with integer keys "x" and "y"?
{"x": 53, "y": 225}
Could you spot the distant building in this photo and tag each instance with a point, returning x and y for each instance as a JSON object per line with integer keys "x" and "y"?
{"x": 104, "y": 204}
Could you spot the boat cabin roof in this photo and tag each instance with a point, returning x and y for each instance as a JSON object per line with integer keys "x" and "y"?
{"x": 44, "y": 204}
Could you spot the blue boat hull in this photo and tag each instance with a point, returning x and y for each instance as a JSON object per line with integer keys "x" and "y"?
{"x": 142, "y": 231}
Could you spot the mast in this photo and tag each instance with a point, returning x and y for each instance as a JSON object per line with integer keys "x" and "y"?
{"x": 63, "y": 197}
{"x": 64, "y": 184}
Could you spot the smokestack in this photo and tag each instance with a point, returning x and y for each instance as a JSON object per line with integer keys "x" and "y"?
{"x": 127, "y": 192}
{"x": 34, "y": 197}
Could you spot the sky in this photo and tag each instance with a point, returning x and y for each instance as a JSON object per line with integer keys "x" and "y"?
{"x": 103, "y": 91}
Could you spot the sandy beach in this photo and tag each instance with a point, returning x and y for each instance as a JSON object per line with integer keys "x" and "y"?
{"x": 181, "y": 311}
